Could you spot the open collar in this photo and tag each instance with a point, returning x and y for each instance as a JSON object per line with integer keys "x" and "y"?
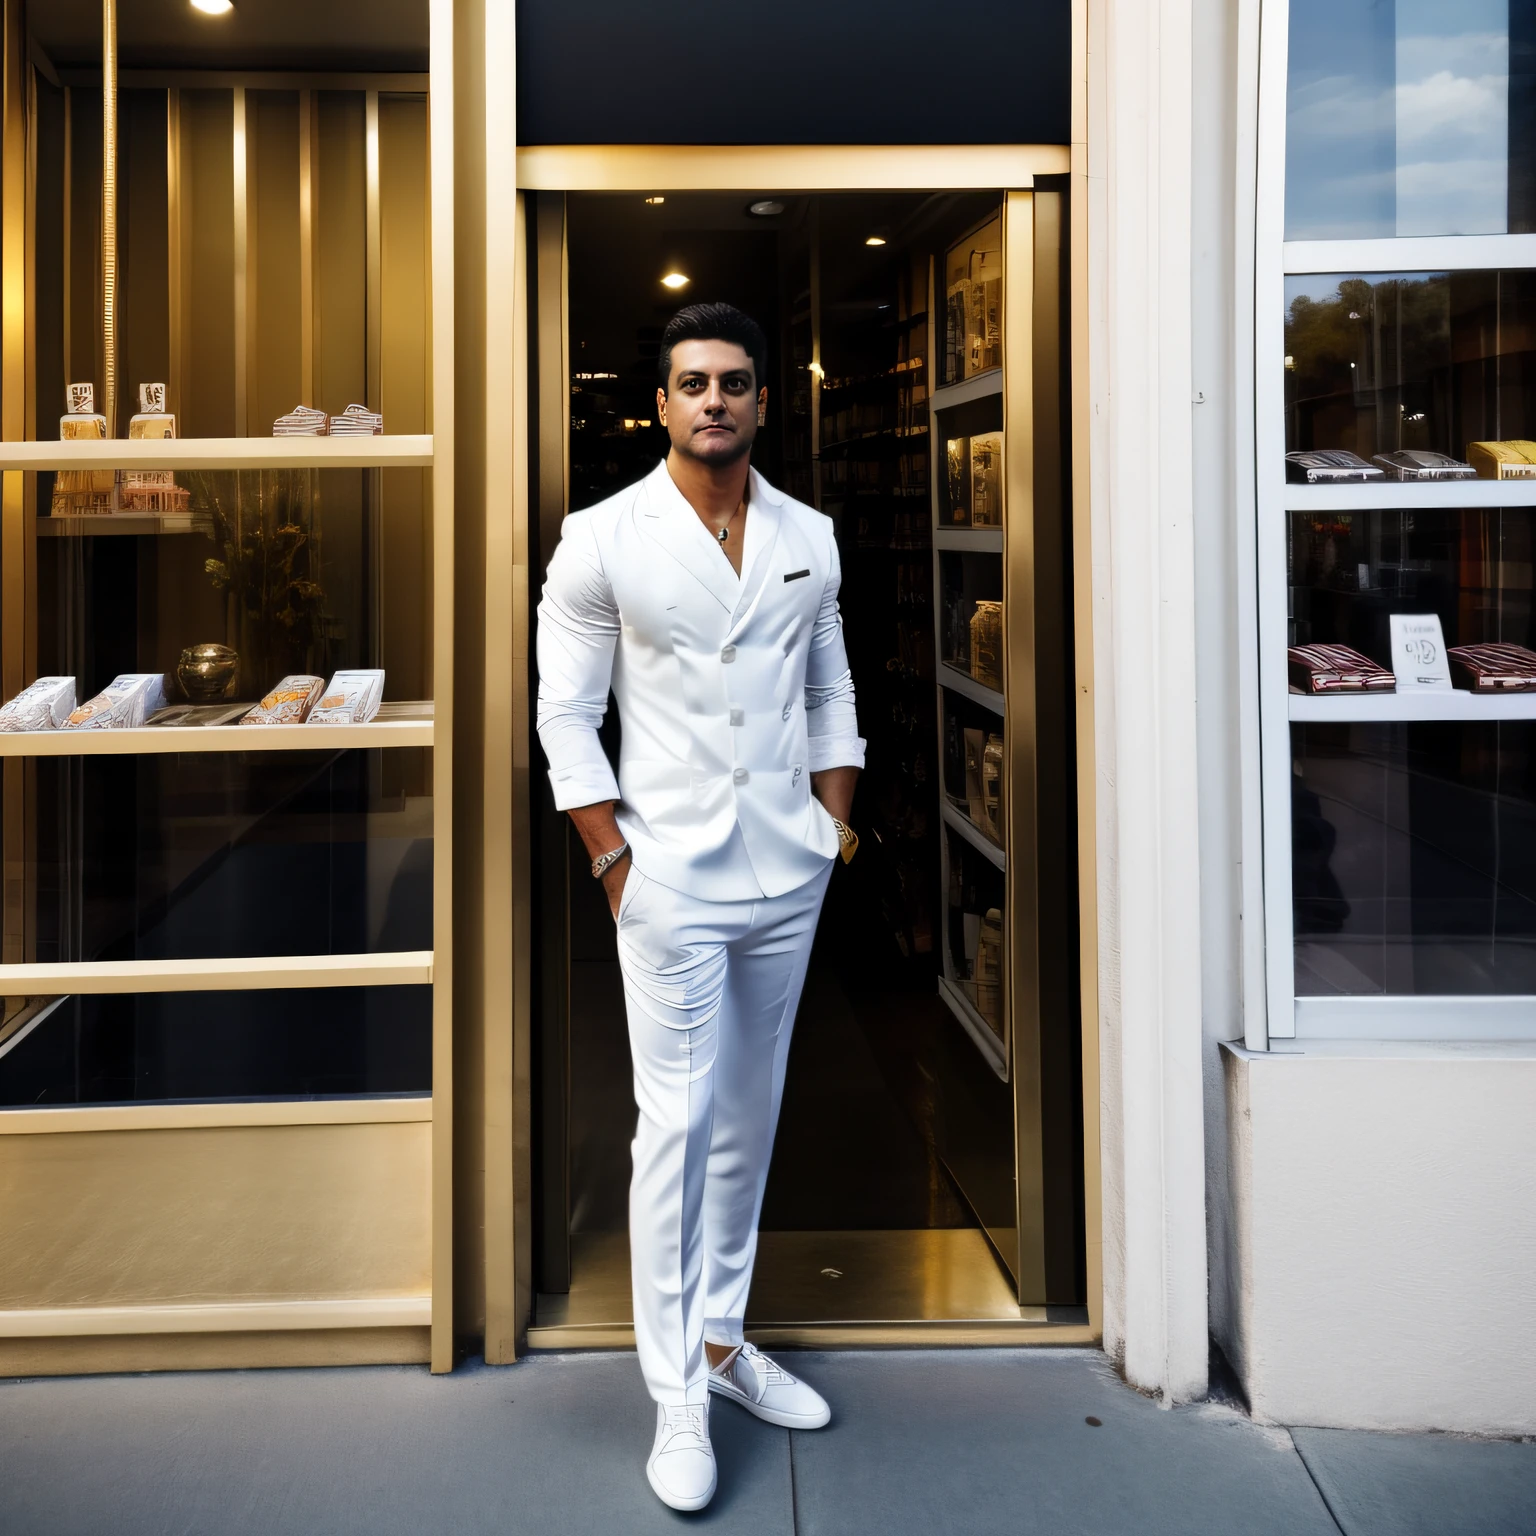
{"x": 677, "y": 529}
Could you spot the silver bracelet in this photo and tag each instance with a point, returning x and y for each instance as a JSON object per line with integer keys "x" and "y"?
{"x": 605, "y": 861}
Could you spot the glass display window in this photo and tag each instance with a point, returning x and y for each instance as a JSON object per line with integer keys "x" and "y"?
{"x": 1409, "y": 117}
{"x": 1413, "y": 850}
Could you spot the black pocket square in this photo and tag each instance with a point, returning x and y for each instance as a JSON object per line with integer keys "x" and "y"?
{"x": 796, "y": 575}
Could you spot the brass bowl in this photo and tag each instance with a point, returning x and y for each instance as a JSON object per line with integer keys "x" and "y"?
{"x": 208, "y": 673}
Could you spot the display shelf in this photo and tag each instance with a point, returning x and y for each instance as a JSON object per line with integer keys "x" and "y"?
{"x": 397, "y": 725}
{"x": 88, "y": 525}
{"x": 977, "y": 388}
{"x": 956, "y": 818}
{"x": 403, "y": 451}
{"x": 1389, "y": 495}
{"x": 400, "y": 968}
{"x": 963, "y": 682}
{"x": 1410, "y": 706}
{"x": 975, "y": 1026}
{"x": 975, "y": 541}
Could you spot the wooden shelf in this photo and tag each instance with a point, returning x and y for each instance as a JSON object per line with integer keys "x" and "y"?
{"x": 398, "y": 725}
{"x": 984, "y": 384}
{"x": 402, "y": 451}
{"x": 1394, "y": 495}
{"x": 89, "y": 525}
{"x": 973, "y": 834}
{"x": 975, "y": 1026}
{"x": 1408, "y": 706}
{"x": 973, "y": 541}
{"x": 390, "y": 969}
{"x": 963, "y": 682}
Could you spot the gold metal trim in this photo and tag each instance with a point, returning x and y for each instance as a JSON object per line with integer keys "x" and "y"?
{"x": 174, "y": 278}
{"x": 784, "y": 167}
{"x": 441, "y": 419}
{"x": 110, "y": 1354}
{"x": 202, "y": 1116}
{"x": 243, "y": 286}
{"x": 217, "y": 1317}
{"x": 401, "y": 969}
{"x": 1021, "y": 726}
{"x": 896, "y": 1334}
{"x": 109, "y": 213}
{"x": 403, "y": 450}
{"x": 308, "y": 152}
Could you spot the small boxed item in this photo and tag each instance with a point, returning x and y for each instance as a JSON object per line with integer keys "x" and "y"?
{"x": 44, "y": 706}
{"x": 357, "y": 421}
{"x": 993, "y": 795}
{"x": 1421, "y": 464}
{"x": 987, "y": 643}
{"x": 1336, "y": 669}
{"x": 289, "y": 703}
{"x": 1492, "y": 668}
{"x": 152, "y": 420}
{"x": 1513, "y": 459}
{"x": 80, "y": 422}
{"x": 1329, "y": 466}
{"x": 123, "y": 705}
{"x": 987, "y": 480}
{"x": 350, "y": 698}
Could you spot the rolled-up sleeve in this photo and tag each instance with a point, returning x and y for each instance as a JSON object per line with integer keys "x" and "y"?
{"x": 831, "y": 718}
{"x": 578, "y": 629}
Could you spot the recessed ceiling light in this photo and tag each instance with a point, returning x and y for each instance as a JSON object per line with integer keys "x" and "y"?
{"x": 674, "y": 280}
{"x": 213, "y": 7}
{"x": 874, "y": 240}
{"x": 768, "y": 208}
{"x": 654, "y": 202}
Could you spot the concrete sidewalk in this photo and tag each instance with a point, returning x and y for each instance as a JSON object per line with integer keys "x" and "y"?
{"x": 921, "y": 1441}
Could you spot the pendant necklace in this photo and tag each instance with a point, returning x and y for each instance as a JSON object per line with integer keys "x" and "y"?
{"x": 724, "y": 532}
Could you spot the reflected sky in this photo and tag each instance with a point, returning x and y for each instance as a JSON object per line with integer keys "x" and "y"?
{"x": 1398, "y": 116}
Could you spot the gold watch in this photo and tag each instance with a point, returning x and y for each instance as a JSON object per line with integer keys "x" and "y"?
{"x": 847, "y": 840}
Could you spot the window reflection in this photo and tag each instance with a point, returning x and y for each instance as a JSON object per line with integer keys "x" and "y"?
{"x": 1431, "y": 360}
{"x": 1410, "y": 117}
{"x": 1414, "y": 858}
{"x": 1350, "y": 571}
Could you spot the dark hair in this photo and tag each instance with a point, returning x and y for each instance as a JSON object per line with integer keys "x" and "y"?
{"x": 714, "y": 322}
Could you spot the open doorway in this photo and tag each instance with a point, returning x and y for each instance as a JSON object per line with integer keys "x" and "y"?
{"x": 928, "y": 1166}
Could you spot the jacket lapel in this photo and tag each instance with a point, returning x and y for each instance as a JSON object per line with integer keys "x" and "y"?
{"x": 764, "y": 510}
{"x": 675, "y": 526}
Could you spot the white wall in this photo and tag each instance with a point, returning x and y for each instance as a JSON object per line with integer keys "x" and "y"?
{"x": 1384, "y": 1234}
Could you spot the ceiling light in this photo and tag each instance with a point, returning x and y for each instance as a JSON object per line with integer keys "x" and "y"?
{"x": 674, "y": 280}
{"x": 874, "y": 240}
{"x": 213, "y": 7}
{"x": 654, "y": 202}
{"x": 768, "y": 208}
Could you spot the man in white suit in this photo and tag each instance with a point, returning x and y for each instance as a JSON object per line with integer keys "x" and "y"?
{"x": 707, "y": 600}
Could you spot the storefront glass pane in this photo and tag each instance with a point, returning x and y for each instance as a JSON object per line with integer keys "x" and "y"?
{"x": 1410, "y": 117}
{"x": 1472, "y": 567}
{"x": 1415, "y": 360}
{"x": 1414, "y": 858}
{"x": 202, "y": 855}
{"x": 283, "y": 1044}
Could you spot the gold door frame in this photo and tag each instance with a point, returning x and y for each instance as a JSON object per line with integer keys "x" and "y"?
{"x": 508, "y": 877}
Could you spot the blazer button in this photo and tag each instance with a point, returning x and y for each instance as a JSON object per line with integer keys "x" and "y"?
{"x": 788, "y": 711}
{"x": 728, "y": 654}
{"x": 738, "y": 717}
{"x": 740, "y": 776}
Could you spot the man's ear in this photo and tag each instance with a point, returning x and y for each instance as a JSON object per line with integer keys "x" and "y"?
{"x": 762, "y": 406}
{"x": 661, "y": 405}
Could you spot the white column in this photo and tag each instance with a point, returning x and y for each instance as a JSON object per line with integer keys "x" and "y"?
{"x": 1141, "y": 388}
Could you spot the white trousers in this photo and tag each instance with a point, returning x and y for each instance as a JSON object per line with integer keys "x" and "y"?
{"x": 711, "y": 989}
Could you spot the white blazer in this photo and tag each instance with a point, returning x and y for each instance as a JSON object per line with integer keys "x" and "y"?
{"x": 731, "y": 690}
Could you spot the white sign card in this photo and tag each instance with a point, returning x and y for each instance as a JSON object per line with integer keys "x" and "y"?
{"x": 1418, "y": 651}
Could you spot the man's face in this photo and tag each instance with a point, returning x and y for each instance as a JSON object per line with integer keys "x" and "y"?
{"x": 711, "y": 404}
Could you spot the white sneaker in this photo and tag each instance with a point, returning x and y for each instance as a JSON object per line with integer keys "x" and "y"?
{"x": 682, "y": 1465}
{"x": 766, "y": 1389}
